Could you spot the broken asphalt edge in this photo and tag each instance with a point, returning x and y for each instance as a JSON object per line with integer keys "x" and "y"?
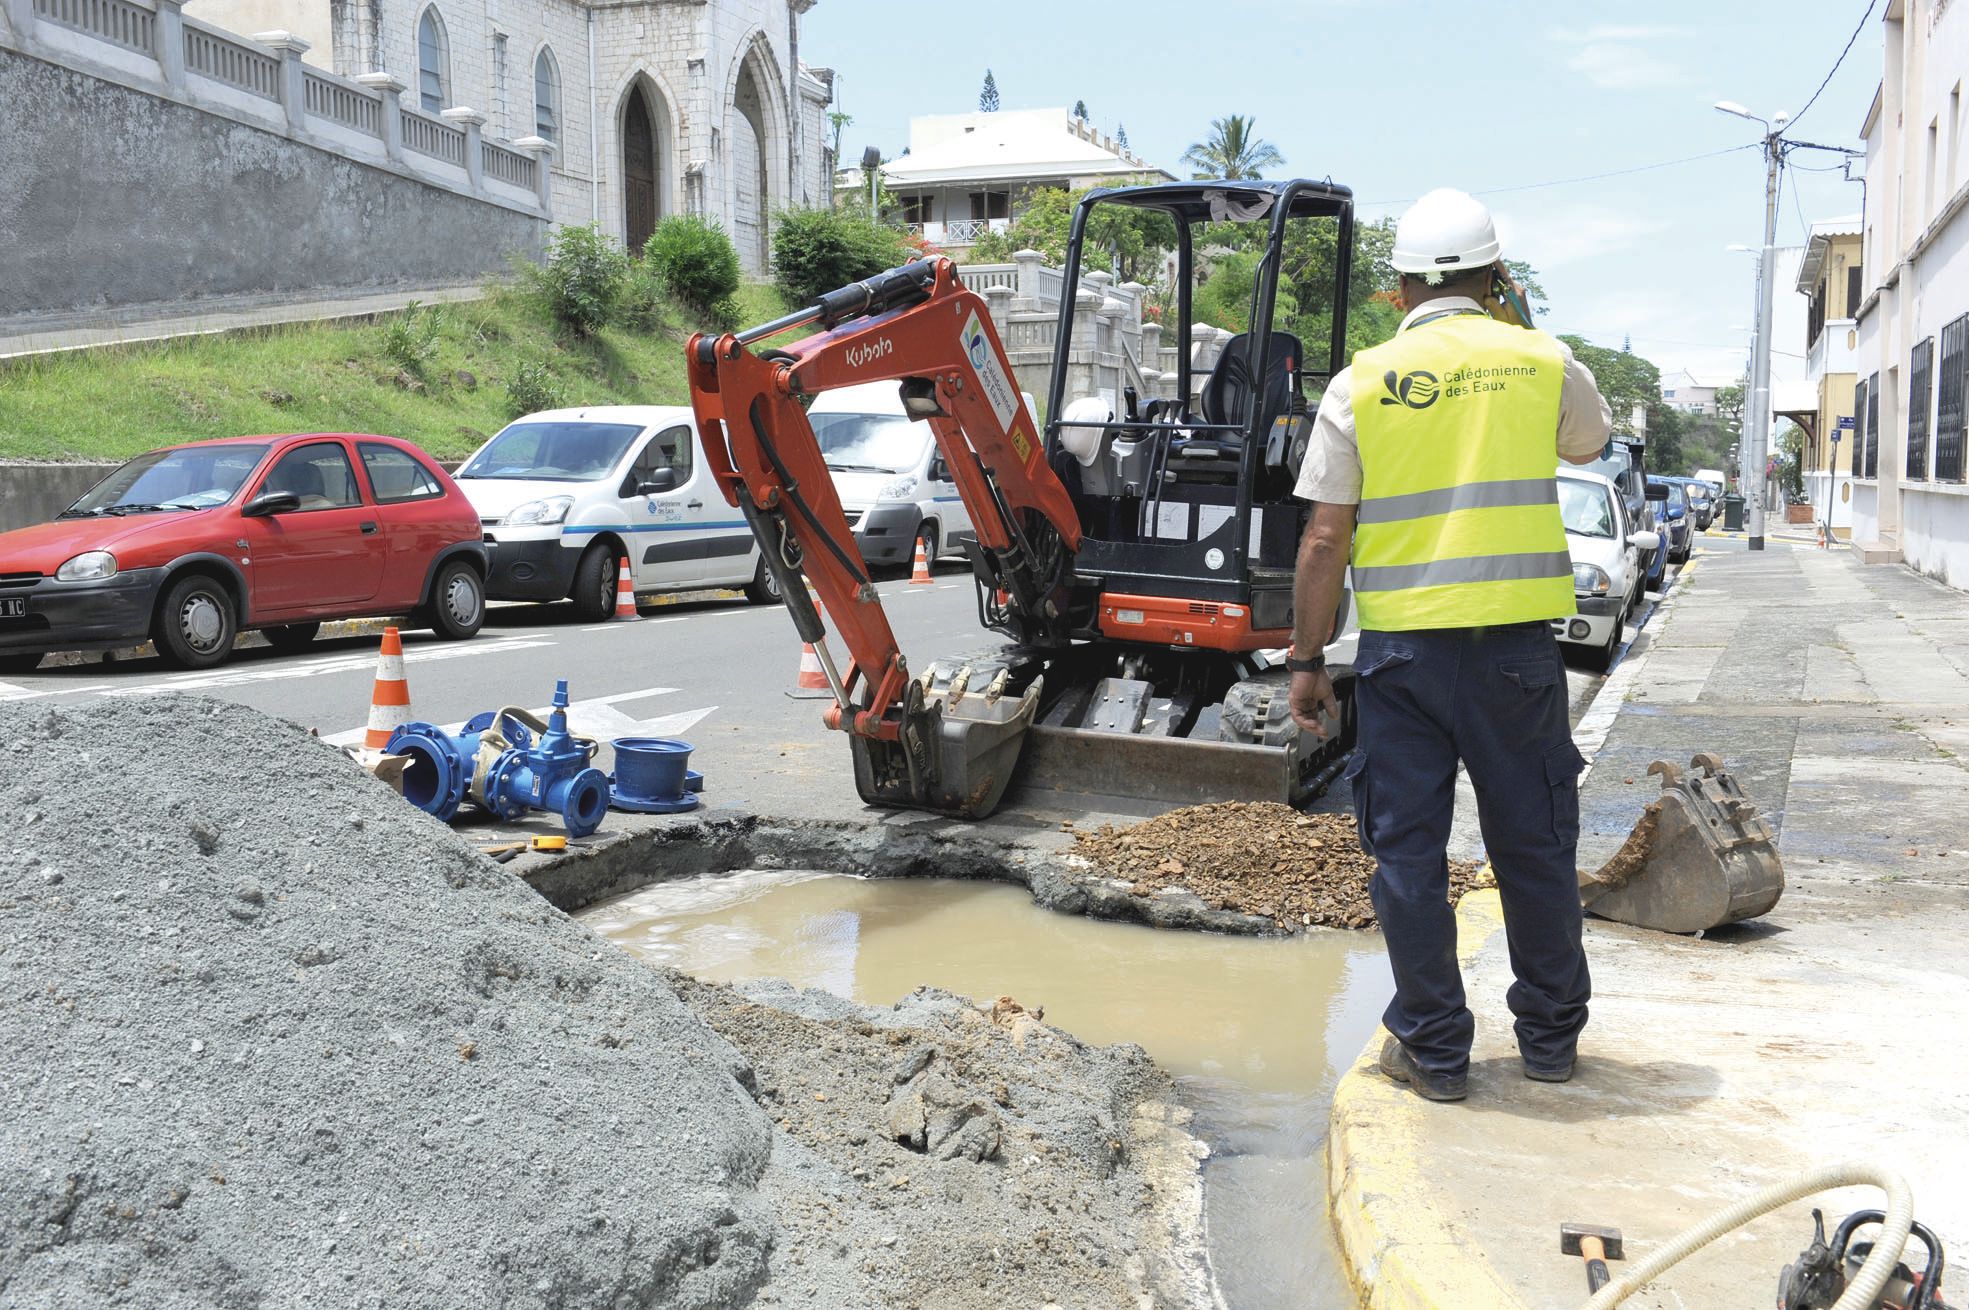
{"x": 1401, "y": 1238}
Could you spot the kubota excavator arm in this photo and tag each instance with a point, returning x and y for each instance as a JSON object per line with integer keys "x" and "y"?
{"x": 947, "y": 749}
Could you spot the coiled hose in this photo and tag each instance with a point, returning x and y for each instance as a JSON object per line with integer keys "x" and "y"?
{"x": 1860, "y": 1293}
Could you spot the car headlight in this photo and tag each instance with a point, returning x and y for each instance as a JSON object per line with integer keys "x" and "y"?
{"x": 89, "y": 566}
{"x": 900, "y": 489}
{"x": 1590, "y": 579}
{"x": 550, "y": 509}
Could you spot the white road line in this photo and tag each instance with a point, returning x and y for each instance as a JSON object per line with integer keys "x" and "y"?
{"x": 53, "y": 691}
{"x": 325, "y": 666}
{"x": 597, "y": 717}
{"x": 8, "y": 691}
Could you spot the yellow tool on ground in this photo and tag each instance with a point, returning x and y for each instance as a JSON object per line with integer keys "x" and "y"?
{"x": 550, "y": 843}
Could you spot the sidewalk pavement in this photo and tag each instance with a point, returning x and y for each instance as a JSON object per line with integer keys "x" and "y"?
{"x": 1829, "y": 1030}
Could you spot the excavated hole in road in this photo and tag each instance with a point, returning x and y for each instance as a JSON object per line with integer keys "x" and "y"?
{"x": 1256, "y": 1029}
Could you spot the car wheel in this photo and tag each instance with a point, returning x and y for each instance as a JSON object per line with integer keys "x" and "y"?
{"x": 291, "y": 636}
{"x": 764, "y": 587}
{"x": 1600, "y": 658}
{"x": 457, "y": 601}
{"x": 18, "y": 662}
{"x": 594, "y": 584}
{"x": 196, "y": 622}
{"x": 926, "y": 536}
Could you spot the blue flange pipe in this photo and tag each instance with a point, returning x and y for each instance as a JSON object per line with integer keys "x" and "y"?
{"x": 440, "y": 768}
{"x": 553, "y": 774}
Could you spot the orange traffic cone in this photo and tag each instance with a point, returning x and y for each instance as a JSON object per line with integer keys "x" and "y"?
{"x": 920, "y": 571}
{"x": 625, "y": 594}
{"x": 389, "y": 703}
{"x": 812, "y": 684}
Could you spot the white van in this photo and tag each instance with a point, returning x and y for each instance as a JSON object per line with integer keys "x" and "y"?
{"x": 892, "y": 480}
{"x": 565, "y": 494}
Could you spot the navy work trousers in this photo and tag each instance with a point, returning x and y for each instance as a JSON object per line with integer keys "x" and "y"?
{"x": 1494, "y": 698}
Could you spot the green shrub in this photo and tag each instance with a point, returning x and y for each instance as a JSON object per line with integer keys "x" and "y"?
{"x": 411, "y": 338}
{"x": 695, "y": 259}
{"x": 819, "y": 250}
{"x": 645, "y": 303}
{"x": 532, "y": 389}
{"x": 582, "y": 279}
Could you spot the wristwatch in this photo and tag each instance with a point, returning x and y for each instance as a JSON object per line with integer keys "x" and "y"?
{"x": 1313, "y": 664}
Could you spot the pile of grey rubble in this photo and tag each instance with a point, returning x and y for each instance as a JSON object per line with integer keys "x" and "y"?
{"x": 274, "y": 1038}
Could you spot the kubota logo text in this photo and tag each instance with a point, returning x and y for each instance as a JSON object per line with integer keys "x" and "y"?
{"x": 868, "y": 354}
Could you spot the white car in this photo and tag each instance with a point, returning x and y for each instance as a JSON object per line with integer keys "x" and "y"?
{"x": 894, "y": 486}
{"x": 1607, "y": 564}
{"x": 564, "y": 495}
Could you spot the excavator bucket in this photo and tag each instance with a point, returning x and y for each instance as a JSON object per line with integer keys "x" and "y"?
{"x": 1700, "y": 857}
{"x": 959, "y": 745}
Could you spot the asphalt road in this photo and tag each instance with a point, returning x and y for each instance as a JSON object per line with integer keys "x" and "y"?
{"x": 709, "y": 668}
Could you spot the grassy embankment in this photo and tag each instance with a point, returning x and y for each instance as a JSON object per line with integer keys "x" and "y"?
{"x": 109, "y": 403}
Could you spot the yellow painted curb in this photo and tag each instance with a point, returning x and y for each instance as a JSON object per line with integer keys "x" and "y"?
{"x": 1403, "y": 1250}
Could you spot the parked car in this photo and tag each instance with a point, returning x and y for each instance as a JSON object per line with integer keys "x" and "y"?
{"x": 894, "y": 485}
{"x": 1702, "y": 501}
{"x": 1607, "y": 562}
{"x": 191, "y": 544}
{"x": 564, "y": 495}
{"x": 1681, "y": 528}
{"x": 1717, "y": 484}
{"x": 1655, "y": 562}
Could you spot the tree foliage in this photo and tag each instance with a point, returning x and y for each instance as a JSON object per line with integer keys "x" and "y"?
{"x": 1233, "y": 151}
{"x": 581, "y": 279}
{"x": 1121, "y": 239}
{"x": 1121, "y": 135}
{"x": 695, "y": 259}
{"x": 819, "y": 250}
{"x": 988, "y": 94}
{"x": 1080, "y": 110}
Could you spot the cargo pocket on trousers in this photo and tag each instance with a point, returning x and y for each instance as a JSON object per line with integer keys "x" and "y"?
{"x": 1563, "y": 764}
{"x": 1534, "y": 673}
{"x": 1356, "y": 776}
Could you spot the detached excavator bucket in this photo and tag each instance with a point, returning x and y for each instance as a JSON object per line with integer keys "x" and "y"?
{"x": 1700, "y": 857}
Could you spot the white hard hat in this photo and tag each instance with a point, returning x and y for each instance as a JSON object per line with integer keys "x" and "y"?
{"x": 1084, "y": 442}
{"x": 1442, "y": 232}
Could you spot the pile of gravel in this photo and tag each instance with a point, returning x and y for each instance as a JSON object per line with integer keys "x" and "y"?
{"x": 275, "y": 1038}
{"x": 1257, "y": 857}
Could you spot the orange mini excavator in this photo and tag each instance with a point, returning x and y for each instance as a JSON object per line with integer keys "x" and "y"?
{"x": 1138, "y": 556}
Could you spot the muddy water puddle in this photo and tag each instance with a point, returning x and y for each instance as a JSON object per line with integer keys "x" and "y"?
{"x": 1256, "y": 1031}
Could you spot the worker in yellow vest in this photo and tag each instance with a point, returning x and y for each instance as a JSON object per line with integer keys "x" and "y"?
{"x": 1432, "y": 466}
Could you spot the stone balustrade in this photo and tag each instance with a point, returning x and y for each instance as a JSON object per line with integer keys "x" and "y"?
{"x": 1115, "y": 346}
{"x": 151, "y": 46}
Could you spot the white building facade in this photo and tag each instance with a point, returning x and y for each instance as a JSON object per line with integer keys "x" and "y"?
{"x": 653, "y": 108}
{"x": 1910, "y": 500}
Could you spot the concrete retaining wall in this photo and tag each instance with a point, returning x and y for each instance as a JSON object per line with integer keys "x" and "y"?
{"x": 113, "y": 198}
{"x": 35, "y": 493}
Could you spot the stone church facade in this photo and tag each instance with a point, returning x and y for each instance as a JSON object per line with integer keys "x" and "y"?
{"x": 654, "y": 107}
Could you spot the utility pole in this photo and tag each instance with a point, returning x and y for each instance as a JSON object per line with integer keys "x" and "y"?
{"x": 1757, "y": 419}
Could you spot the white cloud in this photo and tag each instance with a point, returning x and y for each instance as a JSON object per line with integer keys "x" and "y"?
{"x": 1550, "y": 236}
{"x": 1617, "y": 58}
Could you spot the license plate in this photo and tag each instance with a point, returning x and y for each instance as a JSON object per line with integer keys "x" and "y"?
{"x": 13, "y": 607}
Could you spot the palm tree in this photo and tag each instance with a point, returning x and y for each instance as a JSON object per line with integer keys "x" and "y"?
{"x": 1233, "y": 151}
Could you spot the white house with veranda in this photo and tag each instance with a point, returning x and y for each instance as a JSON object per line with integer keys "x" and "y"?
{"x": 653, "y": 108}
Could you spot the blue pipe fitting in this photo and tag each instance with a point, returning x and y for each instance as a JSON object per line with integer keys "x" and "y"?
{"x": 440, "y": 768}
{"x": 554, "y": 774}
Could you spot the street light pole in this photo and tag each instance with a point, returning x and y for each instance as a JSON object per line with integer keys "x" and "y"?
{"x": 1757, "y": 409}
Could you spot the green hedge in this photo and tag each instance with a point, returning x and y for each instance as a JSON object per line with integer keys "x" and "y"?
{"x": 819, "y": 250}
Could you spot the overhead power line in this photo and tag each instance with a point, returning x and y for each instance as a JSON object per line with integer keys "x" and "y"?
{"x": 1589, "y": 177}
{"x": 1835, "y": 63}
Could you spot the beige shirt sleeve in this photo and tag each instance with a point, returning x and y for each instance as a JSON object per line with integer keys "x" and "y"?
{"x": 1584, "y": 419}
{"x": 1332, "y": 468}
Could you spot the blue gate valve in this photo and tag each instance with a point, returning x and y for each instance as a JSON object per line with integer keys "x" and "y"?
{"x": 553, "y": 774}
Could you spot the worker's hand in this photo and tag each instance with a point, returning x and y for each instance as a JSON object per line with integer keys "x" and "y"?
{"x": 1312, "y": 696}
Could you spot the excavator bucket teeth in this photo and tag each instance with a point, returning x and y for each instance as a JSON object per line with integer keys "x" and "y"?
{"x": 956, "y": 757}
{"x": 1700, "y": 857}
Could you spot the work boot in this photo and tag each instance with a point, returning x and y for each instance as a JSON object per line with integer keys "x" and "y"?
{"x": 1399, "y": 1065}
{"x": 1557, "y": 1074}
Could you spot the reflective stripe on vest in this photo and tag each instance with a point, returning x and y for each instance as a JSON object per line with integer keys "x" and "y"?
{"x": 1458, "y": 524}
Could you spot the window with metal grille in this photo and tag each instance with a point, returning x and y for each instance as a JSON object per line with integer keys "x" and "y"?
{"x": 1920, "y": 376}
{"x": 433, "y": 62}
{"x": 1870, "y": 467}
{"x": 1950, "y": 401}
{"x": 1856, "y": 455}
{"x": 1853, "y": 296}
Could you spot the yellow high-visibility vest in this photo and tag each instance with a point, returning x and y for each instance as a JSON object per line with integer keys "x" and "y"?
{"x": 1458, "y": 525}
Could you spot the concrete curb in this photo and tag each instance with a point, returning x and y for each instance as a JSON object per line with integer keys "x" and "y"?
{"x": 1403, "y": 1249}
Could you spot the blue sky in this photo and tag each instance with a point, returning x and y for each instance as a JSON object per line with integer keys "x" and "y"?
{"x": 1392, "y": 97}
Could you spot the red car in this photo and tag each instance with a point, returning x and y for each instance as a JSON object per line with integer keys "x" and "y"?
{"x": 188, "y": 545}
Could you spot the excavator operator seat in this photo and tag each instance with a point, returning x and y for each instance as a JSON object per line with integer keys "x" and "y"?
{"x": 1227, "y": 397}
